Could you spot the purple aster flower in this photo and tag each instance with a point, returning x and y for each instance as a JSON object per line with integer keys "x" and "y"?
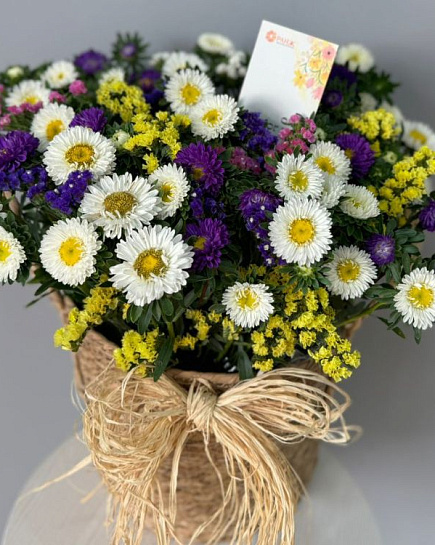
{"x": 209, "y": 236}
{"x": 70, "y": 194}
{"x": 203, "y": 206}
{"x": 342, "y": 73}
{"x": 93, "y": 118}
{"x": 382, "y": 249}
{"x": 91, "y": 62}
{"x": 358, "y": 149}
{"x": 427, "y": 216}
{"x": 128, "y": 50}
{"x": 147, "y": 82}
{"x": 15, "y": 148}
{"x": 256, "y": 134}
{"x": 203, "y": 164}
{"x": 332, "y": 98}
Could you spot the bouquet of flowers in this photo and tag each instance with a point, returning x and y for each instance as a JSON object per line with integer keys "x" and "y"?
{"x": 191, "y": 233}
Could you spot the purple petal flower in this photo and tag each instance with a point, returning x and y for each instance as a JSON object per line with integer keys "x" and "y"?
{"x": 209, "y": 236}
{"x": 427, "y": 216}
{"x": 93, "y": 118}
{"x": 343, "y": 74}
{"x": 15, "y": 148}
{"x": 203, "y": 164}
{"x": 256, "y": 134}
{"x": 91, "y": 62}
{"x": 128, "y": 50}
{"x": 147, "y": 82}
{"x": 332, "y": 98}
{"x": 358, "y": 149}
{"x": 70, "y": 194}
{"x": 382, "y": 249}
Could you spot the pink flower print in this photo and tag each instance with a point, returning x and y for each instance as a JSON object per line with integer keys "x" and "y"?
{"x": 310, "y": 82}
{"x": 328, "y": 52}
{"x": 271, "y": 36}
{"x": 318, "y": 92}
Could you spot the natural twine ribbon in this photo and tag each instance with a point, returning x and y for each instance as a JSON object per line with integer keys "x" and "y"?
{"x": 131, "y": 427}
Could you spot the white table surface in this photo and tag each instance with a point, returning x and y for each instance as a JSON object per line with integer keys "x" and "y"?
{"x": 334, "y": 513}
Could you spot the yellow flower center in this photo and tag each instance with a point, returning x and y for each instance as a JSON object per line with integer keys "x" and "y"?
{"x": 119, "y": 203}
{"x": 349, "y": 153}
{"x": 212, "y": 117}
{"x": 190, "y": 94}
{"x": 197, "y": 173}
{"x": 167, "y": 192}
{"x": 298, "y": 181}
{"x": 31, "y": 99}
{"x": 302, "y": 231}
{"x": 82, "y": 154}
{"x": 348, "y": 270}
{"x": 421, "y": 297}
{"x": 53, "y": 128}
{"x": 60, "y": 75}
{"x": 150, "y": 262}
{"x": 247, "y": 300}
{"x": 419, "y": 136}
{"x": 5, "y": 251}
{"x": 354, "y": 57}
{"x": 200, "y": 243}
{"x": 325, "y": 164}
{"x": 71, "y": 251}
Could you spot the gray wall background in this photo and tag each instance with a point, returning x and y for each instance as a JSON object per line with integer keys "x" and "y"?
{"x": 393, "y": 391}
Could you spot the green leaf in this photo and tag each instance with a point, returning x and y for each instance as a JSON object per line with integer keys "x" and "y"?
{"x": 417, "y": 335}
{"x": 166, "y": 306}
{"x": 244, "y": 365}
{"x": 189, "y": 298}
{"x": 163, "y": 358}
{"x": 134, "y": 313}
{"x": 144, "y": 320}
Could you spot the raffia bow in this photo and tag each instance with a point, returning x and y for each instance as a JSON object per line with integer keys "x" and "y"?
{"x": 132, "y": 427}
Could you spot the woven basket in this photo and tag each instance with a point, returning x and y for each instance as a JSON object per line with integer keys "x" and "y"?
{"x": 198, "y": 487}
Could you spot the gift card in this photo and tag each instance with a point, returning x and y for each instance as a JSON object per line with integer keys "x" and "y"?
{"x": 287, "y": 73}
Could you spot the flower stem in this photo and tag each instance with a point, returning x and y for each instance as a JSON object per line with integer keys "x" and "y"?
{"x": 369, "y": 310}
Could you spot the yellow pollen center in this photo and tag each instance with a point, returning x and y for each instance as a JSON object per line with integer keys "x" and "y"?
{"x": 60, "y": 75}
{"x": 348, "y": 270}
{"x": 119, "y": 203}
{"x": 190, "y": 94}
{"x": 5, "y": 251}
{"x": 212, "y": 117}
{"x": 53, "y": 128}
{"x": 150, "y": 262}
{"x": 71, "y": 251}
{"x": 419, "y": 136}
{"x": 31, "y": 99}
{"x": 197, "y": 173}
{"x": 298, "y": 181}
{"x": 349, "y": 153}
{"x": 421, "y": 297}
{"x": 247, "y": 300}
{"x": 354, "y": 57}
{"x": 302, "y": 231}
{"x": 82, "y": 154}
{"x": 200, "y": 243}
{"x": 167, "y": 192}
{"x": 325, "y": 164}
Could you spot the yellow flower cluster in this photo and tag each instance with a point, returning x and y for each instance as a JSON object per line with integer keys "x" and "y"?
{"x": 137, "y": 350}
{"x": 162, "y": 128}
{"x": 408, "y": 183}
{"x": 201, "y": 323}
{"x": 308, "y": 322}
{"x": 122, "y": 99}
{"x": 375, "y": 124}
{"x": 95, "y": 307}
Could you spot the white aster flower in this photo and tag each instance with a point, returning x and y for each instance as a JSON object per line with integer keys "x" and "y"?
{"x": 215, "y": 43}
{"x": 416, "y": 134}
{"x": 300, "y": 231}
{"x": 11, "y": 256}
{"x": 113, "y": 74}
{"x": 119, "y": 138}
{"x": 359, "y": 203}
{"x": 68, "y": 251}
{"x": 248, "y": 304}
{"x": 173, "y": 187}
{"x": 186, "y": 89}
{"x": 49, "y": 122}
{"x": 14, "y": 72}
{"x": 351, "y": 272}
{"x": 235, "y": 66}
{"x": 368, "y": 102}
{"x": 28, "y": 91}
{"x": 336, "y": 169}
{"x": 180, "y": 60}
{"x": 155, "y": 261}
{"x": 393, "y": 109}
{"x": 298, "y": 177}
{"x": 356, "y": 56}
{"x": 415, "y": 298}
{"x": 79, "y": 148}
{"x": 214, "y": 117}
{"x": 59, "y": 74}
{"x": 120, "y": 203}
{"x": 159, "y": 57}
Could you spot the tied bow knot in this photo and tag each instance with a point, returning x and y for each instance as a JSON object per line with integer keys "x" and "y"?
{"x": 200, "y": 405}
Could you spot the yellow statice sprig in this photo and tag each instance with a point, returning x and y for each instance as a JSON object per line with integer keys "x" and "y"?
{"x": 138, "y": 351}
{"x": 199, "y": 331}
{"x": 95, "y": 308}
{"x": 122, "y": 99}
{"x": 375, "y": 124}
